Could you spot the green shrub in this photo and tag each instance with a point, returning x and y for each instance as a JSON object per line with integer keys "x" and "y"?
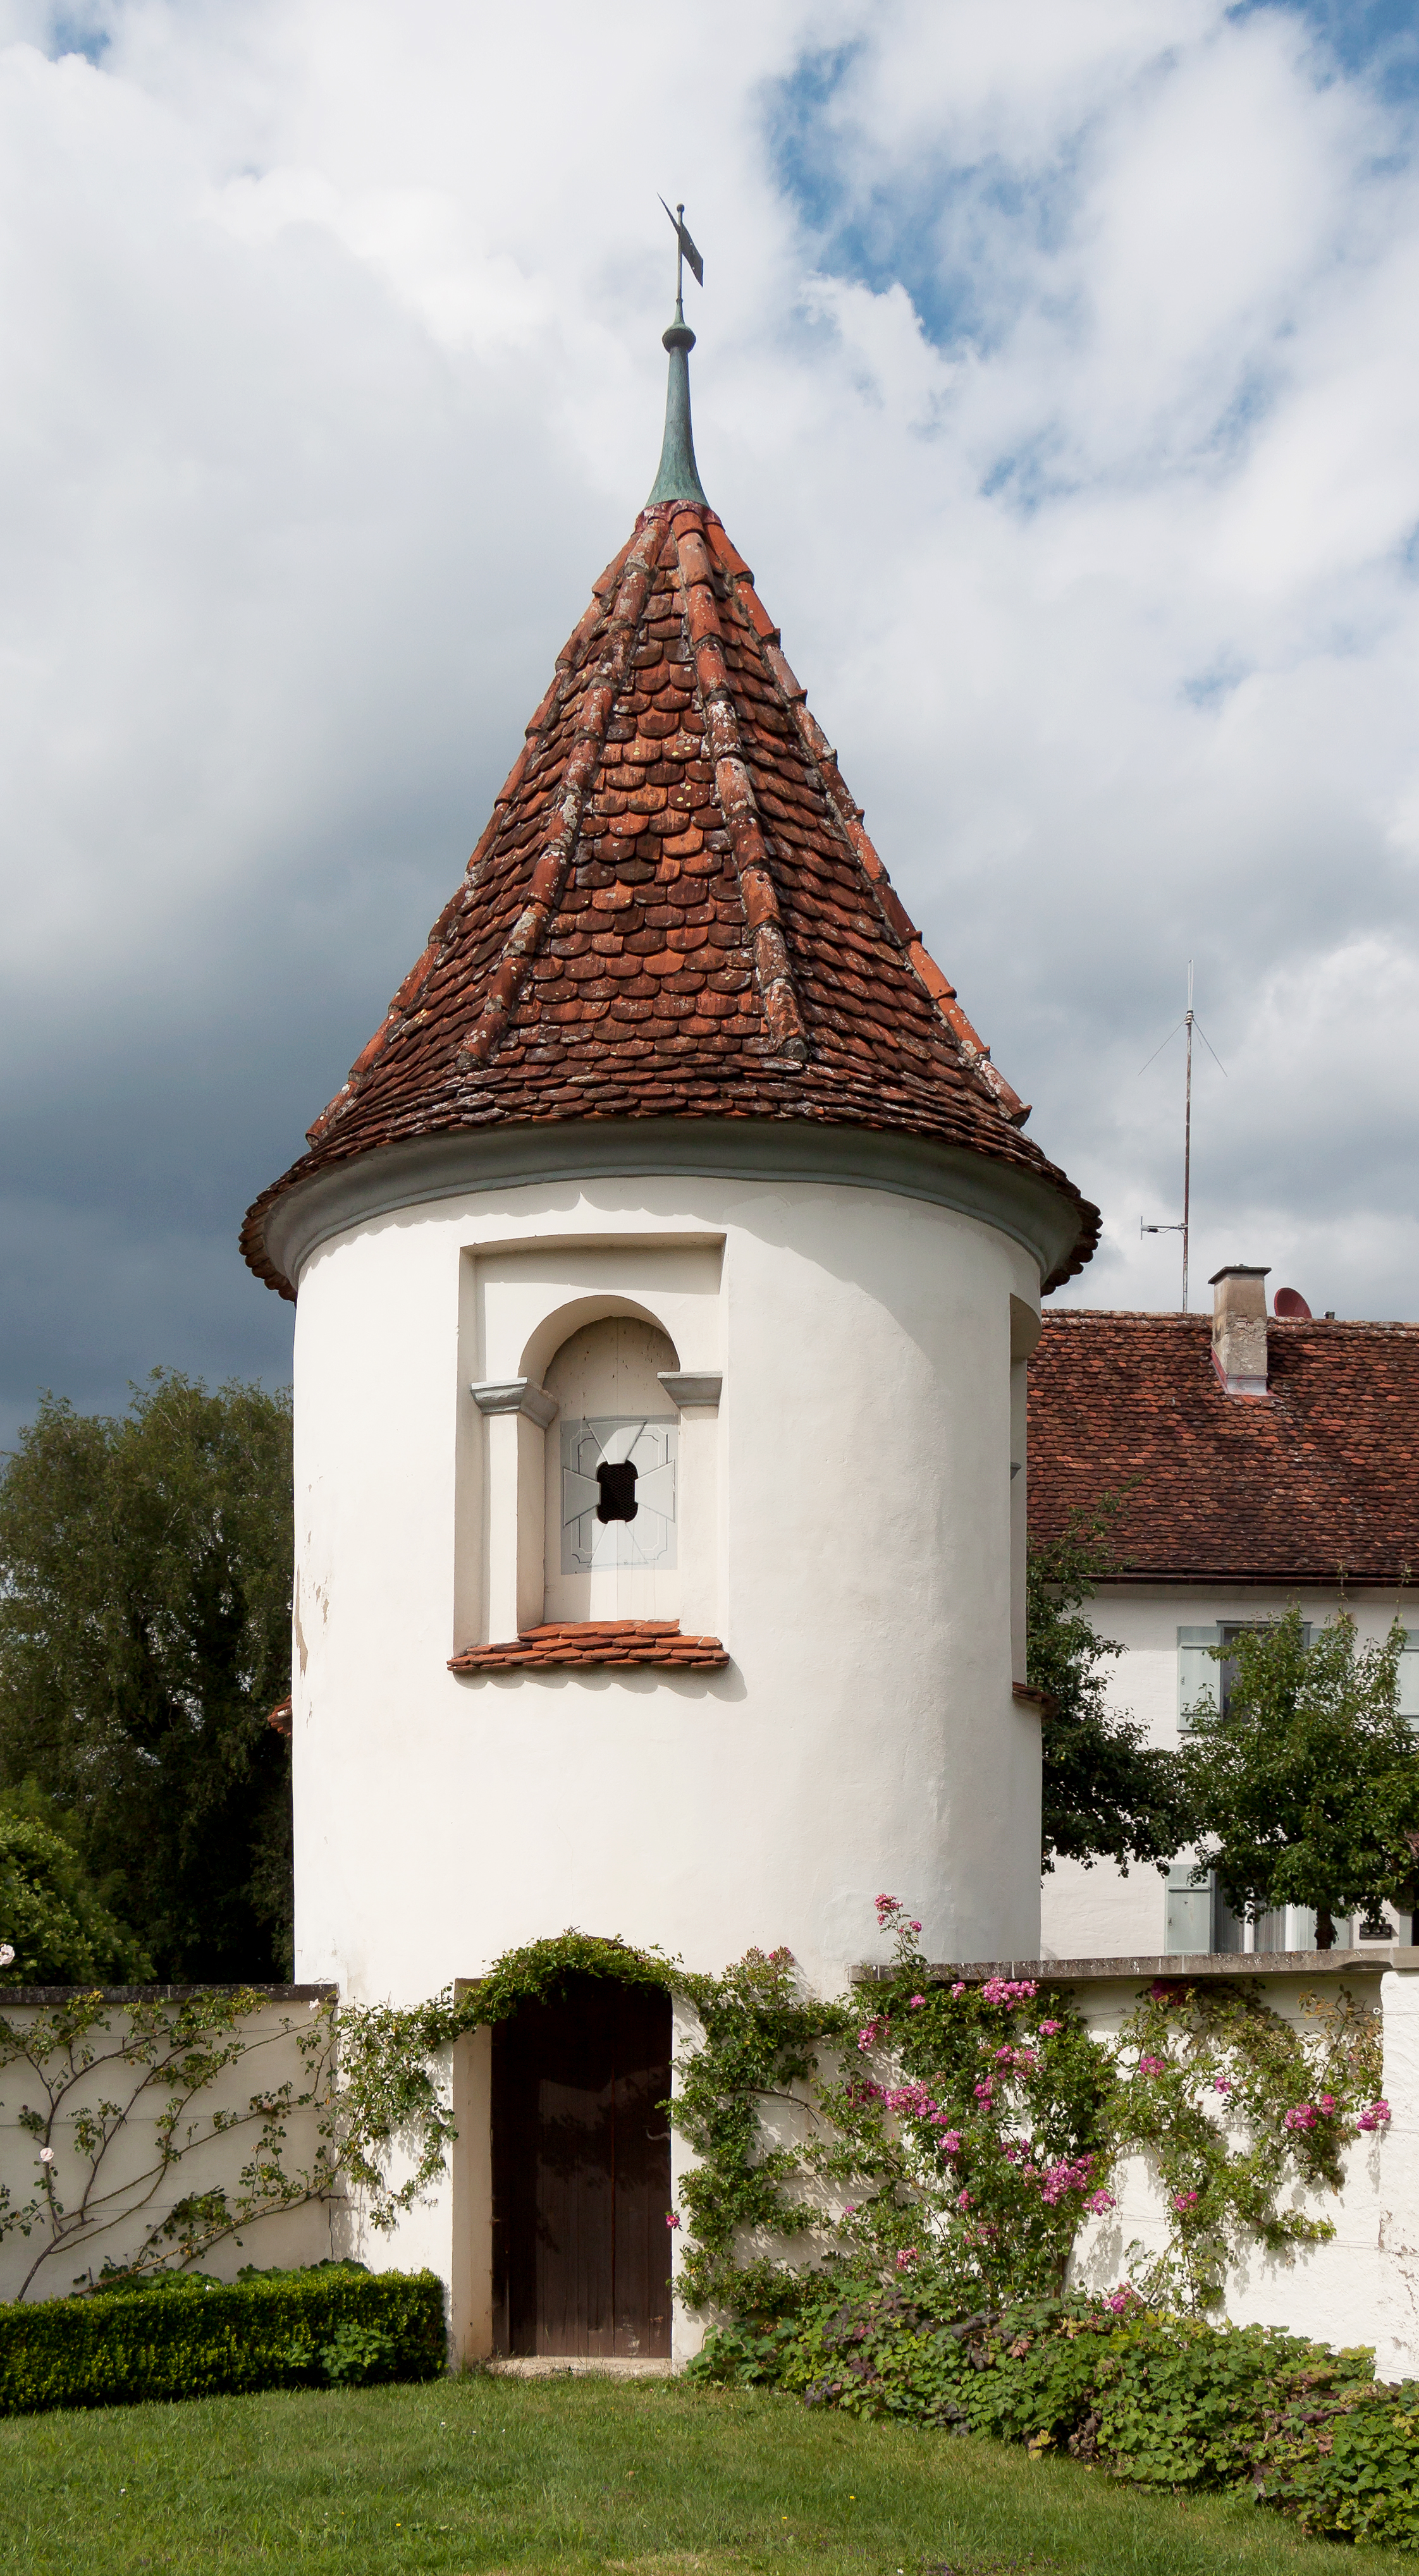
{"x": 184, "y": 2335}
{"x": 1158, "y": 2400}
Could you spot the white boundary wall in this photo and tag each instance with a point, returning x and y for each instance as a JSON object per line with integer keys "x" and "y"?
{"x": 269, "y": 2060}
{"x": 1362, "y": 2287}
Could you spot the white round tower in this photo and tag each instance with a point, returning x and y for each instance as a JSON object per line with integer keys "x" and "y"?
{"x": 666, "y": 1269}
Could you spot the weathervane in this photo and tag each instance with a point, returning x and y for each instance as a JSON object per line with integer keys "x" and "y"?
{"x": 679, "y": 476}
{"x": 684, "y": 250}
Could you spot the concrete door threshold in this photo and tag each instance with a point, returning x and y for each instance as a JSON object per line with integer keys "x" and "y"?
{"x": 581, "y": 2365}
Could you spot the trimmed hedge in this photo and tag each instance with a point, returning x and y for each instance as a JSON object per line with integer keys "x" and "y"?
{"x": 1158, "y": 2400}
{"x": 185, "y": 2335}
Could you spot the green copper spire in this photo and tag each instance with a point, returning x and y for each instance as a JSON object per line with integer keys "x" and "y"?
{"x": 679, "y": 476}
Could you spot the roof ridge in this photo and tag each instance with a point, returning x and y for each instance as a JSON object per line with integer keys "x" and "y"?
{"x": 773, "y": 972}
{"x": 550, "y": 874}
{"x": 844, "y": 809}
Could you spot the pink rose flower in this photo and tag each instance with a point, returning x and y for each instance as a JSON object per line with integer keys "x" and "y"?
{"x": 672, "y": 2218}
{"x": 1325, "y": 2104}
{"x": 1221, "y": 2084}
{"x": 1152, "y": 2066}
{"x": 1375, "y": 2118}
{"x": 916, "y": 2003}
{"x": 1099, "y": 2201}
{"x": 963, "y": 2200}
{"x": 906, "y": 2257}
{"x": 1048, "y": 2028}
{"x": 957, "y": 1990}
{"x": 1119, "y": 2299}
{"x": 1301, "y": 2116}
{"x": 1184, "y": 2200}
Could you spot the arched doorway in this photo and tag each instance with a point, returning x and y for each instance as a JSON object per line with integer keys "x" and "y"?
{"x": 581, "y": 2174}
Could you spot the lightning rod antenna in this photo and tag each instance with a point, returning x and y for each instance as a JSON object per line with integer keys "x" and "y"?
{"x": 1189, "y": 1021}
{"x": 1187, "y": 1138}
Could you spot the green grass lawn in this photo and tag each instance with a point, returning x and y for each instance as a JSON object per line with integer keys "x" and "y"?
{"x": 575, "y": 2474}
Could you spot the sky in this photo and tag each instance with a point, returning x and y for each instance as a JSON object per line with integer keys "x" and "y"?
{"x": 1058, "y": 374}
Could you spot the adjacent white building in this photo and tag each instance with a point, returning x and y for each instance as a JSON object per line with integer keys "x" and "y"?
{"x": 667, "y": 1271}
{"x": 1264, "y": 1460}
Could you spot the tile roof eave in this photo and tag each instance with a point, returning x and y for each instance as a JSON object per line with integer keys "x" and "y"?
{"x": 807, "y": 1147}
{"x": 1314, "y": 1486}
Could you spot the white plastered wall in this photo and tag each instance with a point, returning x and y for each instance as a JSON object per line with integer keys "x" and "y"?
{"x": 1101, "y": 1912}
{"x": 1360, "y": 2287}
{"x": 847, "y": 1528}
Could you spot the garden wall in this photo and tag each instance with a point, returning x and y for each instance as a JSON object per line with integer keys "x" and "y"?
{"x": 1362, "y": 2286}
{"x": 238, "y": 2093}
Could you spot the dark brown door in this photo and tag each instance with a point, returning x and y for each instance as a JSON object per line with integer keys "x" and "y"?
{"x": 581, "y": 2174}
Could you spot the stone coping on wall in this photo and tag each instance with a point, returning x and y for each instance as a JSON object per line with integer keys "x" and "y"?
{"x": 596, "y": 1641}
{"x": 164, "y": 1994}
{"x": 1172, "y": 1964}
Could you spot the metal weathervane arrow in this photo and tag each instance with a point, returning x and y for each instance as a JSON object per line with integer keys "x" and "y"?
{"x": 684, "y": 251}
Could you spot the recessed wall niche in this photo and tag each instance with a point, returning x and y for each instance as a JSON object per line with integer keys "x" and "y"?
{"x": 562, "y": 1344}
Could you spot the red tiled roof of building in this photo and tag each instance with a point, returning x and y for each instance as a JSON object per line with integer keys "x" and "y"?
{"x": 1320, "y": 1474}
{"x": 674, "y": 911}
{"x": 597, "y": 1641}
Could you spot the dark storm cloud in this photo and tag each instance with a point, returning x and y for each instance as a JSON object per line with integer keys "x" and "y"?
{"x": 1058, "y": 373}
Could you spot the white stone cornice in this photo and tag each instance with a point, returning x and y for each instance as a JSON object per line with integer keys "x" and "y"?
{"x": 516, "y": 1395}
{"x": 697, "y": 1387}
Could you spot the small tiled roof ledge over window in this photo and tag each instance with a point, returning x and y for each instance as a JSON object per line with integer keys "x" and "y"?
{"x": 588, "y": 1642}
{"x": 1171, "y": 1967}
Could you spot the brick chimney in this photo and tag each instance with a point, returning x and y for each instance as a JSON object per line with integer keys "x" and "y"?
{"x": 1239, "y": 1327}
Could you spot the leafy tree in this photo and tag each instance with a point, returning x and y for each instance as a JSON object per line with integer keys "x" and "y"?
{"x": 52, "y": 1922}
{"x": 144, "y": 1636}
{"x": 1108, "y": 1793}
{"x": 1307, "y": 1787}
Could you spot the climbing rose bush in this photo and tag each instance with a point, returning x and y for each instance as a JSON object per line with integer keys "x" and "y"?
{"x": 965, "y": 2133}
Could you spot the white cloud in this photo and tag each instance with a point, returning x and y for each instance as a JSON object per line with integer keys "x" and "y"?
{"x": 1059, "y": 373}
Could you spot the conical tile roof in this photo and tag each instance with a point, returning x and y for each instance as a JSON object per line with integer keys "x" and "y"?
{"x": 674, "y": 911}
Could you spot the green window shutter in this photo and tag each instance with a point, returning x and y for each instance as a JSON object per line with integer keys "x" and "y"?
{"x": 1409, "y": 1677}
{"x": 1197, "y": 1673}
{"x": 1189, "y": 1911}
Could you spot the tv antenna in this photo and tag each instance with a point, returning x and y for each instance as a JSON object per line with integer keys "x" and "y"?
{"x": 1189, "y": 1021}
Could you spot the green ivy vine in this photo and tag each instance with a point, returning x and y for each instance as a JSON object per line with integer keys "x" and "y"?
{"x": 957, "y": 2132}
{"x": 394, "y": 2077}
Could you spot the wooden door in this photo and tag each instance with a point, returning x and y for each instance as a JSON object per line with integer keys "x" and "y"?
{"x": 581, "y": 2174}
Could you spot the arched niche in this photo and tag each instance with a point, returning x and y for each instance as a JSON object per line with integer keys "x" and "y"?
{"x": 612, "y": 1547}
{"x": 559, "y": 1328}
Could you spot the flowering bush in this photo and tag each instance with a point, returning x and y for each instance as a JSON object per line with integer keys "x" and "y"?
{"x": 965, "y": 2133}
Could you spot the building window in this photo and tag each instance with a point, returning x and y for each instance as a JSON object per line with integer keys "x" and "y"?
{"x": 612, "y": 1475}
{"x": 618, "y": 1492}
{"x": 1409, "y": 1677}
{"x": 1202, "y": 1678}
{"x": 1198, "y": 1917}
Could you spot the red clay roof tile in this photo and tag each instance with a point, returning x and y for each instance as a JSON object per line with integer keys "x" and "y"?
{"x": 1318, "y": 1476}
{"x": 674, "y": 910}
{"x": 596, "y": 1641}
